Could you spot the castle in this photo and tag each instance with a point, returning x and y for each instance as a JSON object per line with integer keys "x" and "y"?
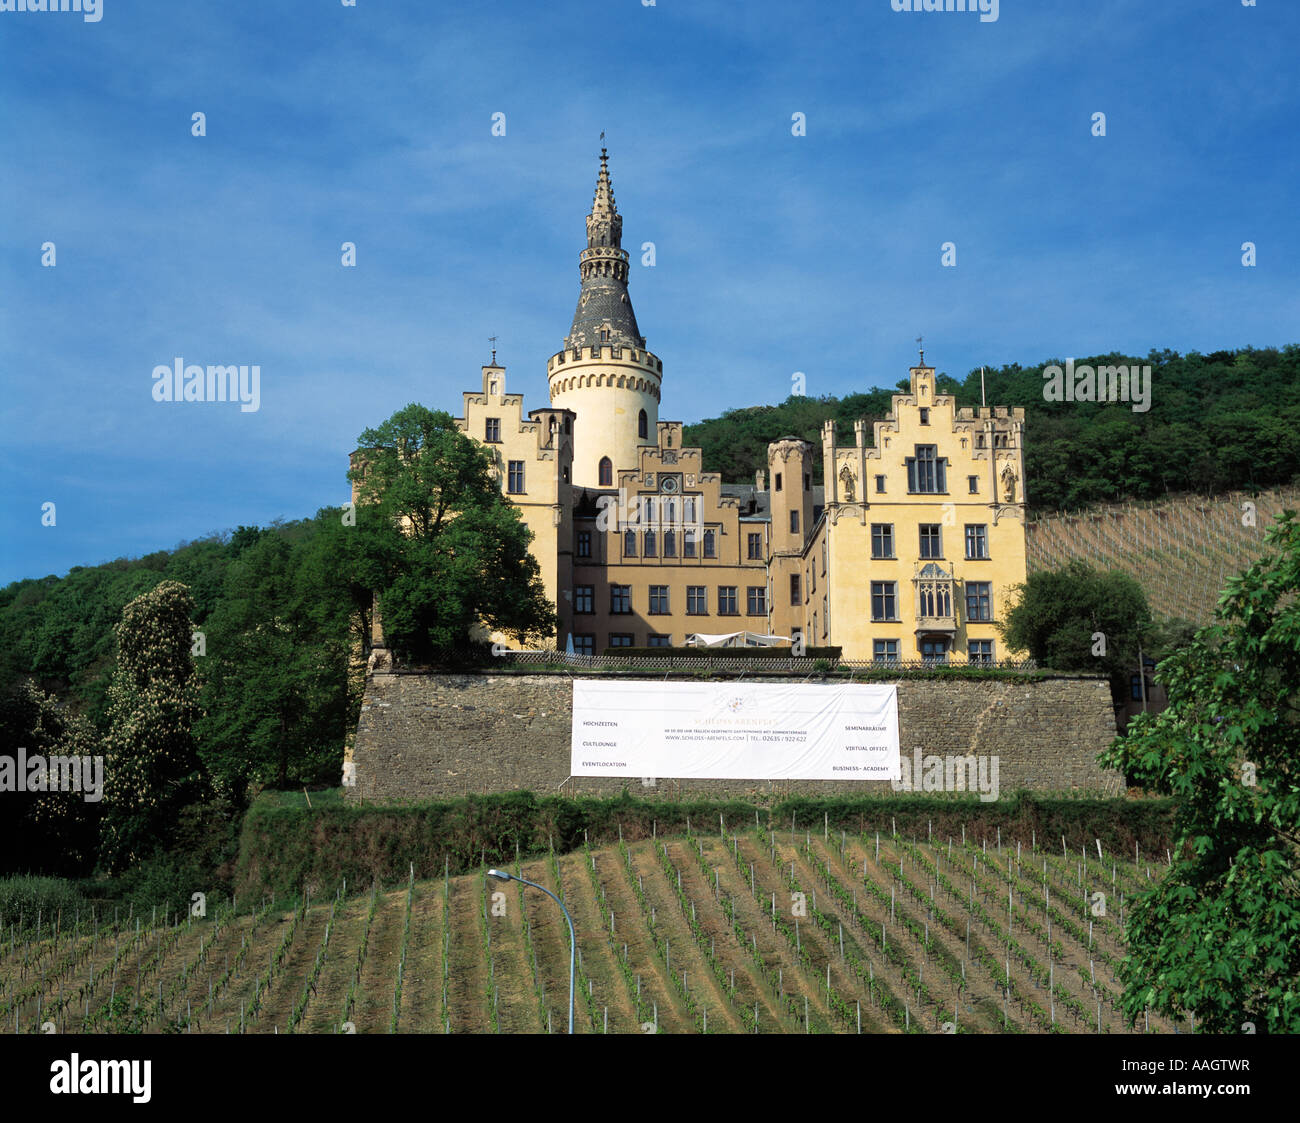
{"x": 904, "y": 550}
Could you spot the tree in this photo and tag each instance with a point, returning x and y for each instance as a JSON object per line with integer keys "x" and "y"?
{"x": 48, "y": 832}
{"x": 1219, "y": 934}
{"x": 448, "y": 552}
{"x": 1077, "y": 619}
{"x": 151, "y": 769}
{"x": 275, "y": 676}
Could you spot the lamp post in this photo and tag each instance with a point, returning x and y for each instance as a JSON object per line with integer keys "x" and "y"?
{"x": 502, "y": 875}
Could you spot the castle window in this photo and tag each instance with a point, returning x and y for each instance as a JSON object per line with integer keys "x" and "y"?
{"x": 884, "y": 600}
{"x": 584, "y": 598}
{"x": 884, "y": 650}
{"x": 493, "y": 430}
{"x": 658, "y": 600}
{"x": 925, "y": 415}
{"x": 629, "y": 543}
{"x": 977, "y": 542}
{"x": 651, "y": 547}
{"x": 980, "y": 651}
{"x": 807, "y": 482}
{"x": 697, "y": 600}
{"x": 757, "y": 600}
{"x": 584, "y": 543}
{"x": 727, "y": 601}
{"x": 973, "y": 482}
{"x": 826, "y": 618}
{"x": 776, "y": 482}
{"x": 642, "y": 425}
{"x": 926, "y": 471}
{"x": 931, "y": 540}
{"x": 568, "y": 425}
{"x": 688, "y": 510}
{"x": 688, "y": 543}
{"x": 934, "y": 651}
{"x": 656, "y": 640}
{"x": 606, "y": 472}
{"x": 710, "y": 544}
{"x": 565, "y": 473}
{"x": 794, "y": 522}
{"x": 795, "y": 597}
{"x": 584, "y": 644}
{"x": 604, "y": 335}
{"x": 882, "y": 540}
{"x": 936, "y": 600}
{"x": 620, "y": 599}
{"x": 880, "y": 484}
{"x": 979, "y": 600}
{"x": 755, "y": 546}
{"x": 515, "y": 478}
{"x": 620, "y": 639}
{"x": 670, "y": 544}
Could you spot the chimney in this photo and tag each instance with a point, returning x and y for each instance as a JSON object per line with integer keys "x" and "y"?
{"x": 760, "y": 480}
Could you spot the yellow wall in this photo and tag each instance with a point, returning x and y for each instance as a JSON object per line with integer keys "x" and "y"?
{"x": 852, "y": 568}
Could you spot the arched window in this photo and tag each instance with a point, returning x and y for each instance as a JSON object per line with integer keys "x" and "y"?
{"x": 642, "y": 425}
{"x": 606, "y": 472}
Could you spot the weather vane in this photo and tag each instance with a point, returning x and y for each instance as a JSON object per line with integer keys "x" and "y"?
{"x": 921, "y": 349}
{"x": 492, "y": 339}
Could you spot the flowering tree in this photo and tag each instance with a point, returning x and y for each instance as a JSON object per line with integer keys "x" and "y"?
{"x": 151, "y": 767}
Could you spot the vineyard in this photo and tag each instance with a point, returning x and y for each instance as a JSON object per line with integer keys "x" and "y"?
{"x": 1181, "y": 551}
{"x": 746, "y": 932}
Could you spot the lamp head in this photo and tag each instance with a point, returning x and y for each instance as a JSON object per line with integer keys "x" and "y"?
{"x": 500, "y": 875}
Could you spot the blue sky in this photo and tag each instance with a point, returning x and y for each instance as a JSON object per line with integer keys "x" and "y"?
{"x": 775, "y": 253}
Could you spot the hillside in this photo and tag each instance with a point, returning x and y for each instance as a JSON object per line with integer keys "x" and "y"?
{"x": 675, "y": 935}
{"x": 1214, "y": 423}
{"x": 1180, "y": 550}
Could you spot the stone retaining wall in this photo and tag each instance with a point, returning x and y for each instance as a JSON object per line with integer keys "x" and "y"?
{"x": 425, "y": 737}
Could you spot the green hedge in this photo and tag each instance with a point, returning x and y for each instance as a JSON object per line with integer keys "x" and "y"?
{"x": 282, "y": 848}
{"x": 722, "y": 652}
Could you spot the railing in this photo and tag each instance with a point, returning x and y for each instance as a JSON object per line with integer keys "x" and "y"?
{"x": 740, "y": 663}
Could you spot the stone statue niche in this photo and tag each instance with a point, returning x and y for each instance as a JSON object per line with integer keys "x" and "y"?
{"x": 846, "y": 482}
{"x": 1009, "y": 484}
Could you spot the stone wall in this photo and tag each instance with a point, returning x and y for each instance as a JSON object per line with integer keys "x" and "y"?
{"x": 426, "y": 737}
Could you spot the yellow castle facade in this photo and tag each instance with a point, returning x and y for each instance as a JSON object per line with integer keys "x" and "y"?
{"x": 904, "y": 548}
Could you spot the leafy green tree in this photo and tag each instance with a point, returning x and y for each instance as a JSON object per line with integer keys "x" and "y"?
{"x": 1219, "y": 935}
{"x": 447, "y": 551}
{"x": 50, "y": 832}
{"x": 1058, "y": 613}
{"x": 275, "y": 673}
{"x": 151, "y": 768}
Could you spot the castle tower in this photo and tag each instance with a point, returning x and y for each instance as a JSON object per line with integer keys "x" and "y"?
{"x": 605, "y": 375}
{"x": 789, "y": 462}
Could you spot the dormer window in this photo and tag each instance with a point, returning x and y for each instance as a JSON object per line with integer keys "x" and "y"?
{"x": 604, "y": 335}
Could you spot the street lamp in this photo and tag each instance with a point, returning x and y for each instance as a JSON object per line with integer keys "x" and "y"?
{"x": 502, "y": 875}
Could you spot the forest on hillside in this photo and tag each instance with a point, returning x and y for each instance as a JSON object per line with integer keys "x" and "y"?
{"x": 1220, "y": 422}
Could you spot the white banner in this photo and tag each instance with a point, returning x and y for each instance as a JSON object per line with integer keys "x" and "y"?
{"x": 735, "y": 730}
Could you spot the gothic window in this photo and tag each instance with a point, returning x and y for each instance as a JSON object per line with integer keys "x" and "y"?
{"x": 606, "y": 472}
{"x": 642, "y": 425}
{"x": 710, "y": 544}
{"x": 629, "y": 543}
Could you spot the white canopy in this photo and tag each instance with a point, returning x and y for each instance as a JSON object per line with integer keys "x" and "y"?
{"x": 734, "y": 639}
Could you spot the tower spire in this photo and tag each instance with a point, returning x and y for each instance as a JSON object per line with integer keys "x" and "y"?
{"x": 604, "y": 313}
